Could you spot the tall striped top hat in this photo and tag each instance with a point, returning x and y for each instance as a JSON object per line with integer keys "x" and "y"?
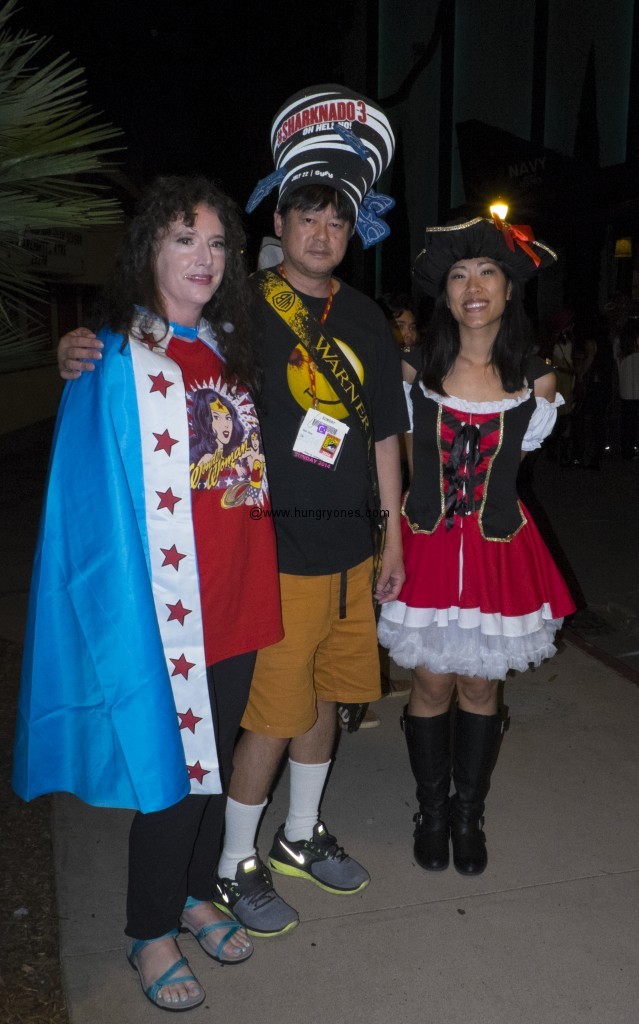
{"x": 330, "y": 135}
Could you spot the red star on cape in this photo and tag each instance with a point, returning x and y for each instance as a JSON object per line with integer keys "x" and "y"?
{"x": 172, "y": 557}
{"x": 160, "y": 383}
{"x": 182, "y": 666}
{"x": 150, "y": 341}
{"x": 164, "y": 442}
{"x": 167, "y": 500}
{"x": 179, "y": 612}
{"x": 196, "y": 771}
{"x": 188, "y": 720}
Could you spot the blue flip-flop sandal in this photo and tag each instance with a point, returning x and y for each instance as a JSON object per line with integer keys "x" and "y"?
{"x": 170, "y": 977}
{"x": 211, "y": 945}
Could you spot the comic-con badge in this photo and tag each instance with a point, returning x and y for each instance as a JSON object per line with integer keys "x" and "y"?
{"x": 320, "y": 439}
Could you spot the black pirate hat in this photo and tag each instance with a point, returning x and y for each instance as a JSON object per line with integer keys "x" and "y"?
{"x": 512, "y": 245}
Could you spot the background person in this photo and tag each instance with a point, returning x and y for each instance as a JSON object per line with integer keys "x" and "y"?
{"x": 133, "y": 677}
{"x": 627, "y": 354}
{"x": 399, "y": 310}
{"x": 561, "y": 350}
{"x": 593, "y": 393}
{"x": 482, "y": 594}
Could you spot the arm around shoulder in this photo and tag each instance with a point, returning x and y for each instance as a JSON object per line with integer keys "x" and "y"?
{"x": 77, "y": 352}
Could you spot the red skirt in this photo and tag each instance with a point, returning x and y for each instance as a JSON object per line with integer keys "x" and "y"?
{"x": 472, "y": 606}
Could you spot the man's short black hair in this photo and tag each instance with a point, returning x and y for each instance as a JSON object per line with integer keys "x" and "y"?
{"x": 318, "y": 197}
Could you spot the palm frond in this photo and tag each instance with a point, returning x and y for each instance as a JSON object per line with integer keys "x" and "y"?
{"x": 49, "y": 139}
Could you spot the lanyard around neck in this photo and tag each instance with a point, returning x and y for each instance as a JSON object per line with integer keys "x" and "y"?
{"x": 329, "y": 301}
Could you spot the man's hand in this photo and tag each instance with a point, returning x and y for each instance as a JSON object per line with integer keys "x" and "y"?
{"x": 76, "y": 352}
{"x": 392, "y": 575}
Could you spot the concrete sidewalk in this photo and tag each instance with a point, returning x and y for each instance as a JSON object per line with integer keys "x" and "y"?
{"x": 548, "y": 935}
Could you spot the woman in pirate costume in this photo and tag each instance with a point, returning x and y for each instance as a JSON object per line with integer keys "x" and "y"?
{"x": 482, "y": 594}
{"x": 134, "y": 682}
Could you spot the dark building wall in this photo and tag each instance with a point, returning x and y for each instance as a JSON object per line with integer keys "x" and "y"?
{"x": 548, "y": 72}
{"x": 493, "y": 81}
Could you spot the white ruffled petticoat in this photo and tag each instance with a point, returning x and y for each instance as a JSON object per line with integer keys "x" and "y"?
{"x": 469, "y": 652}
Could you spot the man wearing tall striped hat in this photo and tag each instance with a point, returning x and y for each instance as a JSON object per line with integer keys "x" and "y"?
{"x": 333, "y": 405}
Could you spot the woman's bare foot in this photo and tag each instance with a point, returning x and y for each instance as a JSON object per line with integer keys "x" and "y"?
{"x": 201, "y": 915}
{"x": 153, "y": 959}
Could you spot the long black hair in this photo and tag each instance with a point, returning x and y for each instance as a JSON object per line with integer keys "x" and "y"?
{"x": 133, "y": 281}
{"x": 511, "y": 347}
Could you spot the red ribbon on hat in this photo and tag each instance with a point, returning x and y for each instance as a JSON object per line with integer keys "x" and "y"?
{"x": 519, "y": 233}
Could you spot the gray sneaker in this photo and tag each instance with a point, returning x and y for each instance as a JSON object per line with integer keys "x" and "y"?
{"x": 320, "y": 860}
{"x": 251, "y": 899}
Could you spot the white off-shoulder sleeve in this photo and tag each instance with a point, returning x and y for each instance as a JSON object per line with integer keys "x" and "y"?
{"x": 409, "y": 405}
{"x": 541, "y": 422}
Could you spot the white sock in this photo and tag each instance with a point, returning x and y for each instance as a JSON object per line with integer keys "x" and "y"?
{"x": 306, "y": 782}
{"x": 241, "y": 823}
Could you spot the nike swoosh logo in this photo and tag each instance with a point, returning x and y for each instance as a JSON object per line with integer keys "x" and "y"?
{"x": 298, "y": 857}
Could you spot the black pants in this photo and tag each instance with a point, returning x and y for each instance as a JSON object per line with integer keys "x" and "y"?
{"x": 173, "y": 853}
{"x": 590, "y": 424}
{"x": 629, "y": 427}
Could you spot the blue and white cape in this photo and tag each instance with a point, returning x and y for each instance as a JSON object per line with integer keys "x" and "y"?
{"x": 114, "y": 704}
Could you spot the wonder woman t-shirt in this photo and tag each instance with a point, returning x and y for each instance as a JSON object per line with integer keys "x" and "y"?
{"x": 234, "y": 538}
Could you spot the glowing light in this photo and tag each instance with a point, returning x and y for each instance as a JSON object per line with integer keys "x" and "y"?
{"x": 500, "y": 208}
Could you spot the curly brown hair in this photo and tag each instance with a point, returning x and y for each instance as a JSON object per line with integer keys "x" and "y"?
{"x": 133, "y": 282}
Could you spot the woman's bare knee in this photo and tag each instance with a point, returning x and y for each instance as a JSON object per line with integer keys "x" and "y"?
{"x": 477, "y": 695}
{"x": 430, "y": 693}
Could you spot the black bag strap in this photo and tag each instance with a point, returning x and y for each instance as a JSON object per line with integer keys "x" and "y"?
{"x": 326, "y": 354}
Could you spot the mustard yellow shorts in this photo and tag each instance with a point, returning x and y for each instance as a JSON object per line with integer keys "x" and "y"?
{"x": 322, "y": 657}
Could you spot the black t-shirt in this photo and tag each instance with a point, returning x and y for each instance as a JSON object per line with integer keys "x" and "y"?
{"x": 320, "y": 515}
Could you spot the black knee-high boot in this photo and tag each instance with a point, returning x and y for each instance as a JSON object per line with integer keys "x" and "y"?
{"x": 428, "y": 741}
{"x": 476, "y": 745}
